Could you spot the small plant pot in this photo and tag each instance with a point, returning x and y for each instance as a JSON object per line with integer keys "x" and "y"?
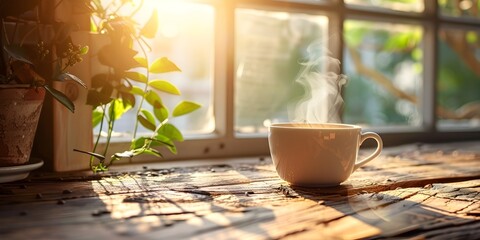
{"x": 20, "y": 107}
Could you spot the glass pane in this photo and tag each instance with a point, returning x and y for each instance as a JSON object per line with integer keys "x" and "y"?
{"x": 185, "y": 35}
{"x": 270, "y": 47}
{"x": 384, "y": 65}
{"x": 460, "y": 8}
{"x": 459, "y": 78}
{"x": 396, "y": 5}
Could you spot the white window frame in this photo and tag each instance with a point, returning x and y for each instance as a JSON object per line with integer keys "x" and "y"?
{"x": 75, "y": 130}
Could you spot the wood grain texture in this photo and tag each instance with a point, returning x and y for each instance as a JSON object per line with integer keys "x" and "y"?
{"x": 415, "y": 191}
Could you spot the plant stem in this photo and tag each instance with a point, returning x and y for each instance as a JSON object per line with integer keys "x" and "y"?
{"x": 155, "y": 132}
{"x": 111, "y": 123}
{"x": 144, "y": 90}
{"x": 99, "y": 135}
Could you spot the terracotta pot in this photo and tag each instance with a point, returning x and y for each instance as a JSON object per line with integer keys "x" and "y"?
{"x": 20, "y": 108}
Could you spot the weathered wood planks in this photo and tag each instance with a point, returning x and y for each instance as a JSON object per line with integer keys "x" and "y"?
{"x": 415, "y": 191}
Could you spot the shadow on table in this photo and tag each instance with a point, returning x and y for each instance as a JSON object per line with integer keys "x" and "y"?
{"x": 388, "y": 215}
{"x": 175, "y": 206}
{"x": 62, "y": 206}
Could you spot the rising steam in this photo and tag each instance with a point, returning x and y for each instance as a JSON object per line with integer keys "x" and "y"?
{"x": 323, "y": 99}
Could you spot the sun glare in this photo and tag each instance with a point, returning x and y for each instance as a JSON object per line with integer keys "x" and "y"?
{"x": 179, "y": 24}
{"x": 173, "y": 16}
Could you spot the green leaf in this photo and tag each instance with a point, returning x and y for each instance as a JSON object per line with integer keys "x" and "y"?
{"x": 84, "y": 50}
{"x": 142, "y": 61}
{"x": 145, "y": 123}
{"x": 163, "y": 65}
{"x": 138, "y": 143}
{"x": 18, "y": 53}
{"x": 160, "y": 112}
{"x": 167, "y": 142}
{"x": 153, "y": 98}
{"x": 185, "y": 107}
{"x": 147, "y": 119}
{"x": 117, "y": 109}
{"x": 128, "y": 99}
{"x": 148, "y": 115}
{"x": 97, "y": 116}
{"x": 164, "y": 86}
{"x": 137, "y": 91}
{"x": 151, "y": 151}
{"x": 139, "y": 146}
{"x": 62, "y": 98}
{"x": 107, "y": 90}
{"x": 136, "y": 76}
{"x": 170, "y": 131}
{"x": 100, "y": 80}
{"x": 95, "y": 98}
{"x": 117, "y": 56}
{"x": 150, "y": 28}
{"x": 161, "y": 140}
{"x": 68, "y": 76}
{"x": 143, "y": 143}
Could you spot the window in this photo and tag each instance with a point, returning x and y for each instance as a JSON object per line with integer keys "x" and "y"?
{"x": 269, "y": 49}
{"x": 458, "y": 78}
{"x": 412, "y": 69}
{"x": 180, "y": 25}
{"x": 383, "y": 61}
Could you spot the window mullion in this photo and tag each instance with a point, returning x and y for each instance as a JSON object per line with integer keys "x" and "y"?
{"x": 430, "y": 43}
{"x": 221, "y": 76}
{"x": 229, "y": 53}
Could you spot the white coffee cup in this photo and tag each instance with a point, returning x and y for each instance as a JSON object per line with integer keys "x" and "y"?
{"x": 318, "y": 154}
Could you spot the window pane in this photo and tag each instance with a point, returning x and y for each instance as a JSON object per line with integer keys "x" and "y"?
{"x": 459, "y": 78}
{"x": 462, "y": 8}
{"x": 269, "y": 49}
{"x": 310, "y": 1}
{"x": 396, "y": 5}
{"x": 185, "y": 35}
{"x": 384, "y": 67}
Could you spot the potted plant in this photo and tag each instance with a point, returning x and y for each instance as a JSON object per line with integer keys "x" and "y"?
{"x": 127, "y": 84}
{"x": 35, "y": 50}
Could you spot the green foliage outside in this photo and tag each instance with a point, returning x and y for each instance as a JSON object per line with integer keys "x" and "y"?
{"x": 370, "y": 100}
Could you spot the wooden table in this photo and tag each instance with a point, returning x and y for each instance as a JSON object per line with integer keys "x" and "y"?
{"x": 414, "y": 191}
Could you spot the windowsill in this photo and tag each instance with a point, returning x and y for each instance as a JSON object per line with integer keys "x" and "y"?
{"x": 165, "y": 164}
{"x": 125, "y": 166}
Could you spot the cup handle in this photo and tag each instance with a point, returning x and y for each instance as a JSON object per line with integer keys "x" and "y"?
{"x": 365, "y": 136}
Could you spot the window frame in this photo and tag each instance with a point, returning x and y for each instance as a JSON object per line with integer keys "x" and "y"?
{"x": 76, "y": 132}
